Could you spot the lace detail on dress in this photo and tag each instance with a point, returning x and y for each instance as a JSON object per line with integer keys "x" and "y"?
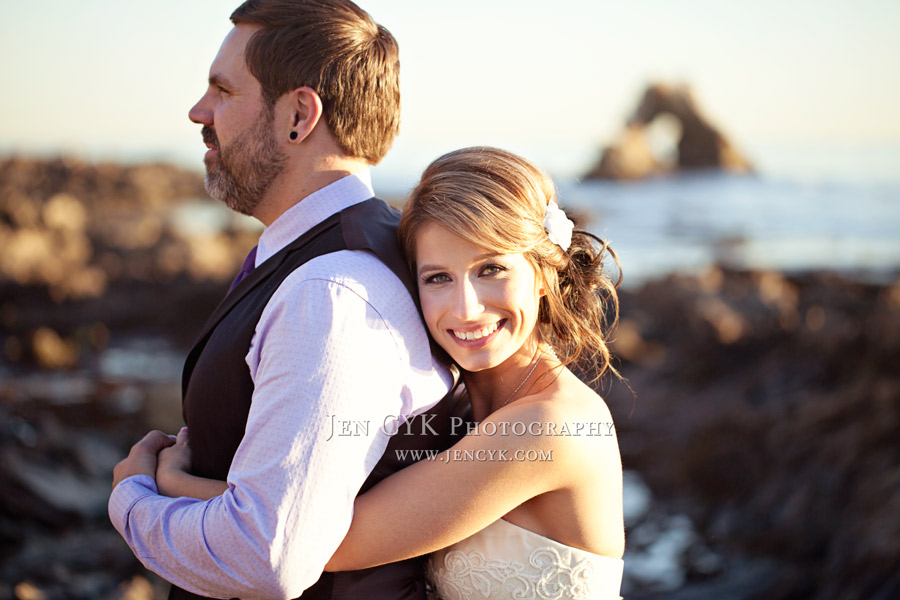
{"x": 464, "y": 575}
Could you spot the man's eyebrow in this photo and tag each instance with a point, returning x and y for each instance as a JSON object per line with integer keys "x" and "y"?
{"x": 217, "y": 79}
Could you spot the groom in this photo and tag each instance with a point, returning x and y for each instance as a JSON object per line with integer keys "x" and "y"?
{"x": 320, "y": 326}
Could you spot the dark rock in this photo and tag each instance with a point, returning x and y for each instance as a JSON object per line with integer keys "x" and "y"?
{"x": 776, "y": 432}
{"x": 699, "y": 144}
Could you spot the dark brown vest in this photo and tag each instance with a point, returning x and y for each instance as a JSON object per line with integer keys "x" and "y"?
{"x": 217, "y": 389}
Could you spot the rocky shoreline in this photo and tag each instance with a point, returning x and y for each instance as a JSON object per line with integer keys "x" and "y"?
{"x": 762, "y": 427}
{"x": 767, "y": 410}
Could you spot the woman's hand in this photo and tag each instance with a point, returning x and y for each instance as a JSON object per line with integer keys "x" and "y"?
{"x": 173, "y": 476}
{"x": 142, "y": 459}
{"x": 173, "y": 463}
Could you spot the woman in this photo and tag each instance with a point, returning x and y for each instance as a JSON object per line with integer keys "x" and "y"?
{"x": 530, "y": 503}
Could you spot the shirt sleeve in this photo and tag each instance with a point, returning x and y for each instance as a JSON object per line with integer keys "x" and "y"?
{"x": 329, "y": 372}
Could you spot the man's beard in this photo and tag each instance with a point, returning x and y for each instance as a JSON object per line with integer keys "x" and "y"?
{"x": 240, "y": 175}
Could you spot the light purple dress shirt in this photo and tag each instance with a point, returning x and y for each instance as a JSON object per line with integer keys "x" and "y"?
{"x": 339, "y": 341}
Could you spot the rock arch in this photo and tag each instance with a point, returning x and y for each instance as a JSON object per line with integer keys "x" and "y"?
{"x": 700, "y": 145}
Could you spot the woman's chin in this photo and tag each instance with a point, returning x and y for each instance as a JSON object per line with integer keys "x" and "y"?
{"x": 472, "y": 364}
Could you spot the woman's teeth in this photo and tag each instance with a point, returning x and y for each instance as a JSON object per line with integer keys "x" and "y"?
{"x": 476, "y": 335}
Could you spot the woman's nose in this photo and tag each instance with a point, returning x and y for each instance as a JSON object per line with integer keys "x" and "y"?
{"x": 468, "y": 303}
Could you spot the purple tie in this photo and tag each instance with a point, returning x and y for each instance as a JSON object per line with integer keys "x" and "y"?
{"x": 249, "y": 265}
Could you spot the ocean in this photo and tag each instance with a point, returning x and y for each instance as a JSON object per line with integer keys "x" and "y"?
{"x": 687, "y": 223}
{"x": 809, "y": 206}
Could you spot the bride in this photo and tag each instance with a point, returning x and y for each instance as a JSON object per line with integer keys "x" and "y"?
{"x": 529, "y": 503}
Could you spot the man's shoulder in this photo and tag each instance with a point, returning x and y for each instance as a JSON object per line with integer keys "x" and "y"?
{"x": 358, "y": 271}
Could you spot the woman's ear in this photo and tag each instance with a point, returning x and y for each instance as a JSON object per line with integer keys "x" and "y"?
{"x": 306, "y": 111}
{"x": 540, "y": 281}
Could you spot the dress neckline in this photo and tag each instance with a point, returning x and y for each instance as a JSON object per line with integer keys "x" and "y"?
{"x": 544, "y": 539}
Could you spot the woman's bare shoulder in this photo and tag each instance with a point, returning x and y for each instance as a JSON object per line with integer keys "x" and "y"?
{"x": 569, "y": 413}
{"x": 566, "y": 398}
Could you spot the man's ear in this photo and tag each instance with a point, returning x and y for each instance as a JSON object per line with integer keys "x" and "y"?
{"x": 306, "y": 110}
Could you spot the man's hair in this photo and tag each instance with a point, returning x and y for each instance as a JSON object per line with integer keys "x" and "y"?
{"x": 334, "y": 47}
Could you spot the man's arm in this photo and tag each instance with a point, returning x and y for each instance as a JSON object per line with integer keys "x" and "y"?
{"x": 291, "y": 488}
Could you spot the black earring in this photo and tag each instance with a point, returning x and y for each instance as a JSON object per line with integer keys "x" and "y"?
{"x": 293, "y": 135}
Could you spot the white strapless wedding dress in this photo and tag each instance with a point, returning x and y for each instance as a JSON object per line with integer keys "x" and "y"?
{"x": 506, "y": 562}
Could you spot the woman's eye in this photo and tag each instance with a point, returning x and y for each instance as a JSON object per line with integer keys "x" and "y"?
{"x": 436, "y": 278}
{"x": 492, "y": 269}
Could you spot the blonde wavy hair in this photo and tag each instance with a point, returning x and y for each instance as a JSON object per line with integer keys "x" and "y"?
{"x": 498, "y": 200}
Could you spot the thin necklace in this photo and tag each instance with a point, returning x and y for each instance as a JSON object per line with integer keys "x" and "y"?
{"x": 516, "y": 391}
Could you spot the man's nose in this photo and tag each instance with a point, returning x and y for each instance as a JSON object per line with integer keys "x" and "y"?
{"x": 201, "y": 113}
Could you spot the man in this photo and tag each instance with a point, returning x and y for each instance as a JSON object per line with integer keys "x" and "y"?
{"x": 303, "y": 96}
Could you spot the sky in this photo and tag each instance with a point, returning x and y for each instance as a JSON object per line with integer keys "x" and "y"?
{"x": 553, "y": 80}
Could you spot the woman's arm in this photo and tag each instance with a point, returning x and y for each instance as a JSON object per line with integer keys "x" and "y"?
{"x": 173, "y": 479}
{"x": 437, "y": 502}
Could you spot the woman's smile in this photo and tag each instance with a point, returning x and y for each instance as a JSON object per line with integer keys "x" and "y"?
{"x": 476, "y": 337}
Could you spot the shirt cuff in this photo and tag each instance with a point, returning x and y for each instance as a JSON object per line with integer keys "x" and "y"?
{"x": 125, "y": 495}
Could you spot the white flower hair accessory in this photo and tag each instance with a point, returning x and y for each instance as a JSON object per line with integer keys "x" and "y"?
{"x": 558, "y": 226}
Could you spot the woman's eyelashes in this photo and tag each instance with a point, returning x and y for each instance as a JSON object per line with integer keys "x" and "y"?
{"x": 492, "y": 269}
{"x": 435, "y": 278}
{"x": 488, "y": 270}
